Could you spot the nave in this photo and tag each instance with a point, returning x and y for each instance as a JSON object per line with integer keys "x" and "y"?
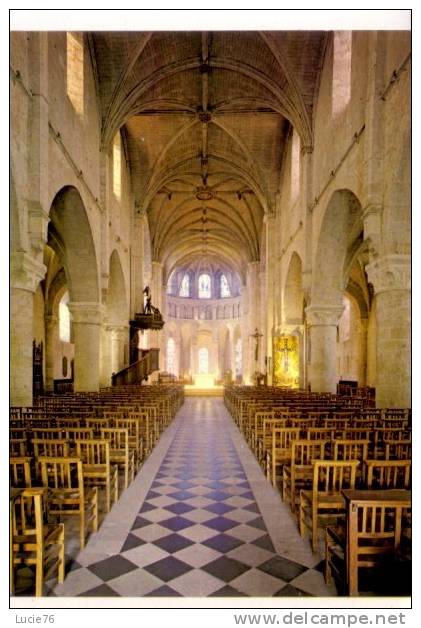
{"x": 199, "y": 520}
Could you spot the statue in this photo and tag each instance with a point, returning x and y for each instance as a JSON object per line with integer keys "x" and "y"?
{"x": 147, "y": 307}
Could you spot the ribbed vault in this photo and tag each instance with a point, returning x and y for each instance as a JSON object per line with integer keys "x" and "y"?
{"x": 205, "y": 117}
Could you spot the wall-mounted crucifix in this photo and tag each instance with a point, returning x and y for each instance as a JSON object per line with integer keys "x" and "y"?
{"x": 256, "y": 335}
{"x": 285, "y": 349}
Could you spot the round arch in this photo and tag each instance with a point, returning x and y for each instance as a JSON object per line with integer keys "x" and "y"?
{"x": 293, "y": 296}
{"x": 70, "y": 235}
{"x": 339, "y": 231}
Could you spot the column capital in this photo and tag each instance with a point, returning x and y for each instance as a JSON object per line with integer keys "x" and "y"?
{"x": 118, "y": 330}
{"x": 390, "y": 272}
{"x": 25, "y": 271}
{"x": 318, "y": 315}
{"x": 87, "y": 312}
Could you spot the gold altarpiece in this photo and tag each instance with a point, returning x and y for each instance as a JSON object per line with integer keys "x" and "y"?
{"x": 286, "y": 361}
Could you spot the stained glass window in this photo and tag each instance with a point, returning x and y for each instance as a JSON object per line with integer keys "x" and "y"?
{"x": 185, "y": 287}
{"x": 225, "y": 289}
{"x": 203, "y": 360}
{"x": 204, "y": 287}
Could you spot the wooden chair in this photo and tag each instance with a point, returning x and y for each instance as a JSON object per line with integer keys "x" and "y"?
{"x": 264, "y": 444}
{"x": 33, "y": 542}
{"x": 398, "y": 450}
{"x": 133, "y": 426}
{"x": 79, "y": 433}
{"x": 280, "y": 453}
{"x": 387, "y": 474}
{"x": 18, "y": 446}
{"x": 53, "y": 448}
{"x": 97, "y": 468}
{"x": 299, "y": 474}
{"x": 67, "y": 496}
{"x": 97, "y": 424}
{"x": 325, "y": 501}
{"x": 20, "y": 471}
{"x": 120, "y": 452}
{"x": 372, "y": 538}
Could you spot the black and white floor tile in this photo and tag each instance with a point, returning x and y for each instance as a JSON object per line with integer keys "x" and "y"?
{"x": 199, "y": 520}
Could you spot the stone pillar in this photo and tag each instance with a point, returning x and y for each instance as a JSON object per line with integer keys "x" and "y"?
{"x": 105, "y": 369}
{"x": 252, "y": 321}
{"x": 119, "y": 339}
{"x": 390, "y": 277}
{"x": 323, "y": 322}
{"x": 51, "y": 346}
{"x": 362, "y": 370}
{"x": 87, "y": 320}
{"x": 270, "y": 265}
{"x": 25, "y": 275}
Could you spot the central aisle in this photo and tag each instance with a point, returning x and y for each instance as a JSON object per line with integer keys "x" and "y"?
{"x": 200, "y": 519}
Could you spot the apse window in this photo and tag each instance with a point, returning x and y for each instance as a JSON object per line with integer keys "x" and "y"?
{"x": 225, "y": 289}
{"x": 64, "y": 318}
{"x": 204, "y": 287}
{"x": 203, "y": 361}
{"x": 341, "y": 73}
{"x": 295, "y": 165}
{"x": 117, "y": 166}
{"x": 185, "y": 287}
{"x": 171, "y": 355}
{"x": 74, "y": 69}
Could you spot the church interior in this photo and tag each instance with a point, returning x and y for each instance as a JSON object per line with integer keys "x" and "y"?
{"x": 210, "y": 314}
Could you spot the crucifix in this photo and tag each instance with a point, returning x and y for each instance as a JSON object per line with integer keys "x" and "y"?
{"x": 286, "y": 350}
{"x": 256, "y": 335}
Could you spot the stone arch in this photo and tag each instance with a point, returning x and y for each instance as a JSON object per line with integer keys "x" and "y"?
{"x": 340, "y": 236}
{"x": 293, "y": 297}
{"x": 70, "y": 235}
{"x": 339, "y": 231}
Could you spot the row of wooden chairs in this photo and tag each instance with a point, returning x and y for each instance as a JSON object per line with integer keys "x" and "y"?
{"x": 316, "y": 459}
{"x": 59, "y": 469}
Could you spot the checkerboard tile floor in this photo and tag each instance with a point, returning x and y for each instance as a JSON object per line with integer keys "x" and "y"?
{"x": 198, "y": 528}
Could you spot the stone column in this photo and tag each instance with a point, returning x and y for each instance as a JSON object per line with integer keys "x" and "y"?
{"x": 252, "y": 321}
{"x": 25, "y": 275}
{"x": 105, "y": 369}
{"x": 270, "y": 265}
{"x": 390, "y": 277}
{"x": 119, "y": 339}
{"x": 87, "y": 320}
{"x": 51, "y": 346}
{"x": 362, "y": 371}
{"x": 323, "y": 322}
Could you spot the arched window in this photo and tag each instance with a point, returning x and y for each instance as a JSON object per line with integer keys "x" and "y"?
{"x": 64, "y": 366}
{"x": 341, "y": 72}
{"x": 117, "y": 166}
{"x": 345, "y": 321}
{"x": 74, "y": 68}
{"x": 185, "y": 287}
{"x": 204, "y": 286}
{"x": 295, "y": 166}
{"x": 64, "y": 318}
{"x": 171, "y": 355}
{"x": 203, "y": 360}
{"x": 225, "y": 289}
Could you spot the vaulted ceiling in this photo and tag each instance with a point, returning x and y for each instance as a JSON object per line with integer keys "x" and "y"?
{"x": 204, "y": 118}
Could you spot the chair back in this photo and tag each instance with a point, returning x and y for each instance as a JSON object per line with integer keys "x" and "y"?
{"x": 331, "y": 476}
{"x": 20, "y": 471}
{"x": 387, "y": 474}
